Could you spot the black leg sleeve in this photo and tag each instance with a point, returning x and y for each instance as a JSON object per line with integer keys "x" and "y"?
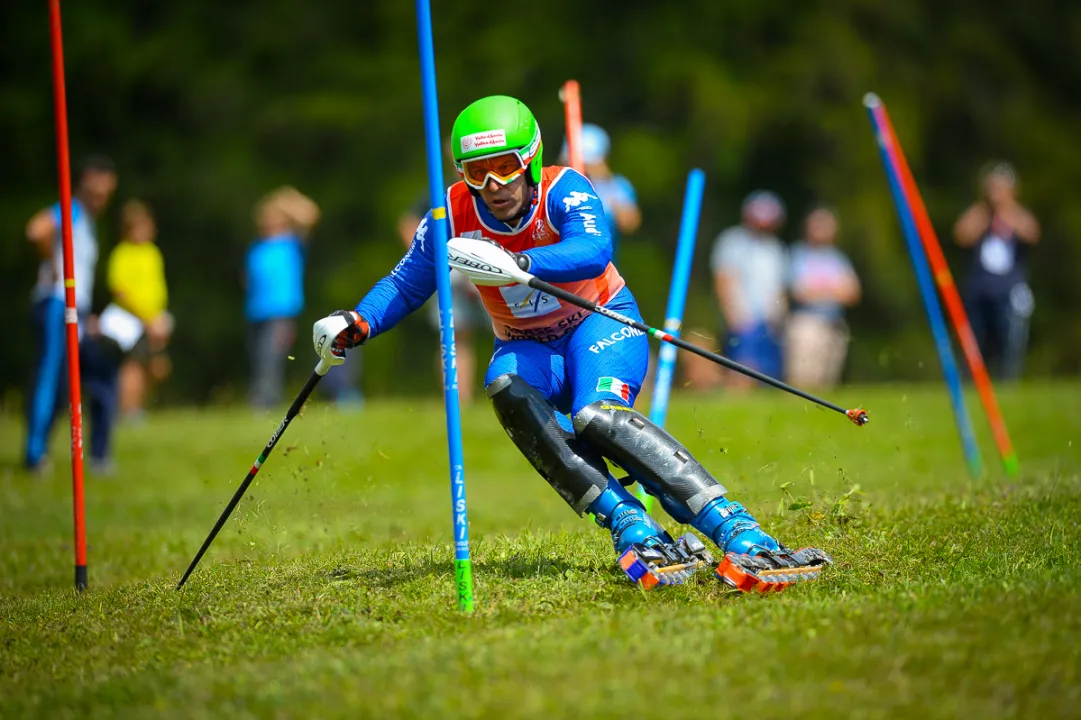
{"x": 576, "y": 471}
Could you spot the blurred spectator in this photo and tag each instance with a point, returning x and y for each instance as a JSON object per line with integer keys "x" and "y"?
{"x": 137, "y": 282}
{"x": 999, "y": 231}
{"x": 469, "y": 314}
{"x": 274, "y": 287}
{"x": 95, "y": 185}
{"x": 615, "y": 191}
{"x": 821, "y": 284}
{"x": 108, "y": 340}
{"x": 749, "y": 268}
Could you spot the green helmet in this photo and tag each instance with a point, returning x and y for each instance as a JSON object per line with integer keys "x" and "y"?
{"x": 494, "y": 125}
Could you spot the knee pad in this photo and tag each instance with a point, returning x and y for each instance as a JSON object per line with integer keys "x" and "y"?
{"x": 574, "y": 470}
{"x": 650, "y": 455}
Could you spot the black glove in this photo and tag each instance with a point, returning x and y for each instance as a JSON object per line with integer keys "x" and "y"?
{"x": 524, "y": 261}
{"x": 355, "y": 334}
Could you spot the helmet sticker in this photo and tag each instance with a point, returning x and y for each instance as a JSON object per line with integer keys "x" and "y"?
{"x": 482, "y": 140}
{"x": 530, "y": 150}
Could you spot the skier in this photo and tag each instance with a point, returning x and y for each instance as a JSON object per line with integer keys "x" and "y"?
{"x": 552, "y": 359}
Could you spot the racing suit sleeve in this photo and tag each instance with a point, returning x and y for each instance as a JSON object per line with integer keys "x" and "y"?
{"x": 585, "y": 246}
{"x": 406, "y": 288}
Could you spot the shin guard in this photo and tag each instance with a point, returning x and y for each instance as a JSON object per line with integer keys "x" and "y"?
{"x": 650, "y": 455}
{"x": 574, "y": 470}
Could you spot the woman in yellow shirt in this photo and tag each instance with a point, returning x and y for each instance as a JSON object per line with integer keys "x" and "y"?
{"x": 137, "y": 283}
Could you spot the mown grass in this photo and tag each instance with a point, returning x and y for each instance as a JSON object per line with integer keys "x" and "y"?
{"x": 330, "y": 592}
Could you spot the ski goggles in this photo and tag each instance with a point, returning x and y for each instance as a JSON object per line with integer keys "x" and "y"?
{"x": 503, "y": 167}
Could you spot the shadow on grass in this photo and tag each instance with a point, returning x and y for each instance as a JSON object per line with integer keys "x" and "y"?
{"x": 514, "y": 567}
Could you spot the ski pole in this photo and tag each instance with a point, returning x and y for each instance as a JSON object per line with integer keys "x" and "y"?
{"x": 320, "y": 370}
{"x": 489, "y": 264}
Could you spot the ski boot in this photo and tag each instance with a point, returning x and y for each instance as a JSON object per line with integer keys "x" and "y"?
{"x": 647, "y": 553}
{"x": 773, "y": 571}
{"x": 665, "y": 563}
{"x": 753, "y": 560}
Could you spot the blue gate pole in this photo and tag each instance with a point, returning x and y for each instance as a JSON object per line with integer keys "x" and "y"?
{"x": 927, "y": 288}
{"x": 462, "y": 567}
{"x": 677, "y": 301}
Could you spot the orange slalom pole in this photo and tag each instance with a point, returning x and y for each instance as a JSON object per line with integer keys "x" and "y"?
{"x": 948, "y": 290}
{"x": 571, "y": 96}
{"x": 71, "y": 314}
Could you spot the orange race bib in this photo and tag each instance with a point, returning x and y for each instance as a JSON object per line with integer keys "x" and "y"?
{"x": 519, "y": 311}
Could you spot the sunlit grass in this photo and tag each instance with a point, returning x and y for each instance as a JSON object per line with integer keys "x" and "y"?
{"x": 330, "y": 592}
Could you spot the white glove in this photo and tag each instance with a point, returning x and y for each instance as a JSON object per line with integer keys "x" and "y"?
{"x": 335, "y": 334}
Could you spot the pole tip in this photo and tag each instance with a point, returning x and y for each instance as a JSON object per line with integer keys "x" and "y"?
{"x": 871, "y": 100}
{"x": 858, "y": 416}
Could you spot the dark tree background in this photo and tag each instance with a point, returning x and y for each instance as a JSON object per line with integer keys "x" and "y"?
{"x": 207, "y": 105}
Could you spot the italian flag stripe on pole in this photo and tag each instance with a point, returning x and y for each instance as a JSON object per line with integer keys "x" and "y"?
{"x": 614, "y": 386}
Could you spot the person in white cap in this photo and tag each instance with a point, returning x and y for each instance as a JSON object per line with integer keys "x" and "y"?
{"x": 749, "y": 267}
{"x": 615, "y": 191}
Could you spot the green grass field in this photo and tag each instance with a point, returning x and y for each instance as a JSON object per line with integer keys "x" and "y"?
{"x": 330, "y": 592}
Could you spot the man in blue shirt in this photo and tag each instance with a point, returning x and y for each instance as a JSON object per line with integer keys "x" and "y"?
{"x": 274, "y": 288}
{"x": 94, "y": 188}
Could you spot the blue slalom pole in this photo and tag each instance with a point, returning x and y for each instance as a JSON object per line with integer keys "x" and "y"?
{"x": 462, "y": 566}
{"x": 927, "y": 289}
{"x": 677, "y": 301}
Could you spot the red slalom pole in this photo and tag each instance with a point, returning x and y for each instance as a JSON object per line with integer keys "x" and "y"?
{"x": 948, "y": 290}
{"x": 571, "y": 96}
{"x": 71, "y": 315}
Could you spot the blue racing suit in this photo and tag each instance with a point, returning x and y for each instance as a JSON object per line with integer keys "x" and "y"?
{"x": 597, "y": 358}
